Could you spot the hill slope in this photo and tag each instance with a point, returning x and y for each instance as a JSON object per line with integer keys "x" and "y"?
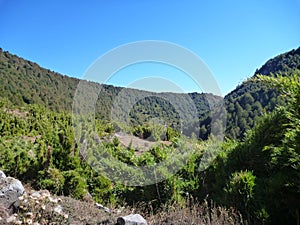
{"x": 24, "y": 82}
{"x": 251, "y": 99}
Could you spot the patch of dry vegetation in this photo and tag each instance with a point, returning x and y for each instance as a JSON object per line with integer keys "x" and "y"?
{"x": 200, "y": 214}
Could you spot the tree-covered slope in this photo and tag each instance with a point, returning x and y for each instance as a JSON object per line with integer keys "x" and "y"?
{"x": 24, "y": 82}
{"x": 251, "y": 99}
{"x": 282, "y": 63}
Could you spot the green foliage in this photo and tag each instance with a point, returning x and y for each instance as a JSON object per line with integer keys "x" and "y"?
{"x": 75, "y": 185}
{"x": 270, "y": 192}
{"x": 260, "y": 175}
{"x": 253, "y": 98}
{"x": 101, "y": 189}
{"x": 24, "y": 82}
{"x": 240, "y": 189}
{"x": 52, "y": 179}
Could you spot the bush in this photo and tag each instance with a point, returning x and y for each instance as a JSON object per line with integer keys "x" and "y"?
{"x": 75, "y": 185}
{"x": 51, "y": 180}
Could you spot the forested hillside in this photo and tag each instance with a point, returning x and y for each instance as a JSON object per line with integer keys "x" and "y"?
{"x": 251, "y": 99}
{"x": 24, "y": 82}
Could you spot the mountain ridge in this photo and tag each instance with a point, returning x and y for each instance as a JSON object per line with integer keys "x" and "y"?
{"x": 25, "y": 82}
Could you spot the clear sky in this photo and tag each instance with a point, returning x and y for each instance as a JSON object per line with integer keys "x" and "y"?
{"x": 233, "y": 37}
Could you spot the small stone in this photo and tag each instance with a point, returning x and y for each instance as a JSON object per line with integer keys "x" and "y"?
{"x": 11, "y": 219}
{"x": 35, "y": 195}
{"x": 119, "y": 211}
{"x": 100, "y": 206}
{"x": 106, "y": 209}
{"x": 53, "y": 200}
{"x": 132, "y": 219}
{"x": 58, "y": 209}
{"x": 45, "y": 193}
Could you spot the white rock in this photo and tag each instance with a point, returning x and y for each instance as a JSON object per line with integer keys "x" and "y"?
{"x": 35, "y": 195}
{"x": 2, "y": 174}
{"x": 45, "y": 193}
{"x": 106, "y": 209}
{"x": 58, "y": 209}
{"x": 53, "y": 200}
{"x": 11, "y": 219}
{"x": 132, "y": 219}
{"x": 100, "y": 206}
{"x": 11, "y": 184}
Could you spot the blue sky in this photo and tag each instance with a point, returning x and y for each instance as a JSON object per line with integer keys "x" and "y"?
{"x": 232, "y": 37}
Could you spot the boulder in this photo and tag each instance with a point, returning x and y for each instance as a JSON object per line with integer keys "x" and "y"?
{"x": 132, "y": 219}
{"x": 11, "y": 184}
{"x": 2, "y": 174}
{"x": 10, "y": 191}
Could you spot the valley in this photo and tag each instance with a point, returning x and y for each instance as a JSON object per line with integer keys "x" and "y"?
{"x": 253, "y": 175}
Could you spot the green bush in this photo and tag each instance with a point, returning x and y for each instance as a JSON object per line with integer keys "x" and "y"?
{"x": 52, "y": 180}
{"x": 75, "y": 185}
{"x": 240, "y": 189}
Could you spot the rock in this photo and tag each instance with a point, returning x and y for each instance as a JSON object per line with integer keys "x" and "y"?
{"x": 2, "y": 174}
{"x": 45, "y": 193}
{"x": 10, "y": 201}
{"x": 132, "y": 219}
{"x": 12, "y": 219}
{"x": 35, "y": 195}
{"x": 11, "y": 184}
{"x": 10, "y": 191}
{"x": 103, "y": 207}
{"x": 58, "y": 209}
{"x": 3, "y": 214}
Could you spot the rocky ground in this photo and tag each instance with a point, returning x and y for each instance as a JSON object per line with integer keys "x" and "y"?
{"x": 19, "y": 205}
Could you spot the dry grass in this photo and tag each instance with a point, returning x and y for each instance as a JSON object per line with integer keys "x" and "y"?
{"x": 200, "y": 214}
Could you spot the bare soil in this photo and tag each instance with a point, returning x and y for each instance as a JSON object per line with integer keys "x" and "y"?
{"x": 140, "y": 145}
